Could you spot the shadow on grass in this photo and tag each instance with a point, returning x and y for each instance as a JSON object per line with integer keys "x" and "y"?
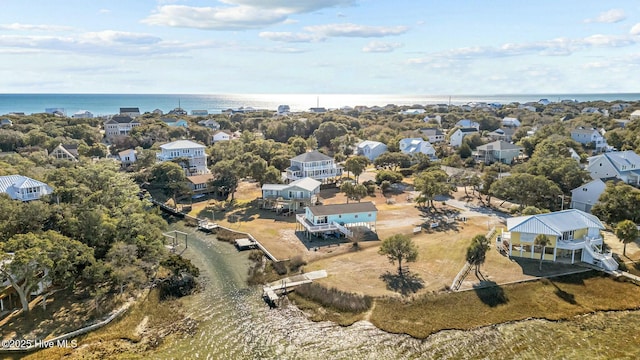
{"x": 490, "y": 293}
{"x": 568, "y": 297}
{"x": 405, "y": 284}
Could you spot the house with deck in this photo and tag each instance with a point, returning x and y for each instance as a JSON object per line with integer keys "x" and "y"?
{"x": 574, "y": 236}
{"x": 66, "y": 152}
{"x": 119, "y": 125}
{"x": 313, "y": 164}
{"x": 292, "y": 196}
{"x": 23, "y": 188}
{"x": 589, "y": 137}
{"x": 338, "y": 218}
{"x": 370, "y": 149}
{"x": 199, "y": 184}
{"x": 434, "y": 136}
{"x": 623, "y": 165}
{"x": 193, "y": 155}
{"x": 412, "y": 146}
{"x": 501, "y": 151}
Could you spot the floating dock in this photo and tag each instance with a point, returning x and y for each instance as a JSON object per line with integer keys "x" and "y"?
{"x": 272, "y": 292}
{"x": 245, "y": 244}
{"x": 207, "y": 226}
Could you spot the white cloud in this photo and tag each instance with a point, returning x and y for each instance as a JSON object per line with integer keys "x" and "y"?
{"x": 608, "y": 17}
{"x": 119, "y": 37}
{"x": 355, "y": 30}
{"x": 635, "y": 29}
{"x": 104, "y": 11}
{"x": 290, "y": 37}
{"x": 379, "y": 46}
{"x": 291, "y": 6}
{"x": 215, "y": 18}
{"x": 31, "y": 27}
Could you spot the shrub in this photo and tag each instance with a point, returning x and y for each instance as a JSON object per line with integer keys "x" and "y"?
{"x": 296, "y": 262}
{"x": 280, "y": 267}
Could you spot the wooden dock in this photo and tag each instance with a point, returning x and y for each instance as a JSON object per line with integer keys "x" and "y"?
{"x": 272, "y": 292}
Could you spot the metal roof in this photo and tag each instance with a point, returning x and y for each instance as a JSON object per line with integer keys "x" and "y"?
{"x": 554, "y": 223}
{"x": 311, "y": 156}
{"x": 9, "y": 184}
{"x": 307, "y": 183}
{"x": 182, "y": 144}
{"x": 499, "y": 145}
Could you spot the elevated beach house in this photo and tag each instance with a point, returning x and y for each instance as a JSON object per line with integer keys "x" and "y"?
{"x": 501, "y": 151}
{"x": 292, "y": 196}
{"x": 119, "y": 125}
{"x": 193, "y": 154}
{"x": 573, "y": 234}
{"x": 623, "y": 165}
{"x": 313, "y": 164}
{"x": 370, "y": 149}
{"x": 23, "y": 188}
{"x": 337, "y": 218}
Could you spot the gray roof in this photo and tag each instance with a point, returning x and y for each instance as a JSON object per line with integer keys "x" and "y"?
{"x": 129, "y": 109}
{"x": 499, "y": 145}
{"x": 182, "y": 144}
{"x": 324, "y": 210}
{"x": 307, "y": 183}
{"x": 311, "y": 156}
{"x": 468, "y": 130}
{"x": 11, "y": 183}
{"x": 121, "y": 119}
{"x": 554, "y": 223}
{"x": 584, "y": 131}
{"x": 274, "y": 187}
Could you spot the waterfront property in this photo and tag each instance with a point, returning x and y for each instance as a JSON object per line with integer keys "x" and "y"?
{"x": 292, "y": 196}
{"x": 23, "y": 188}
{"x": 323, "y": 219}
{"x": 370, "y": 149}
{"x": 199, "y": 183}
{"x": 623, "y": 165}
{"x": 193, "y": 154}
{"x": 313, "y": 164}
{"x": 573, "y": 236}
{"x": 501, "y": 151}
{"x": 119, "y": 125}
{"x": 65, "y": 151}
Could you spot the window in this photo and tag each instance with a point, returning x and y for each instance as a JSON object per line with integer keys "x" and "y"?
{"x": 567, "y": 235}
{"x": 356, "y": 216}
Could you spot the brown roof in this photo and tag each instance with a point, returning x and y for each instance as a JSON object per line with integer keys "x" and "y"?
{"x": 200, "y": 179}
{"x": 323, "y": 210}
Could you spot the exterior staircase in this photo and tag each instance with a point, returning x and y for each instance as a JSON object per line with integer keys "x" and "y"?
{"x": 602, "y": 260}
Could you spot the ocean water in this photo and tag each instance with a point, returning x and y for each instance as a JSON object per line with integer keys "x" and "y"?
{"x": 106, "y": 104}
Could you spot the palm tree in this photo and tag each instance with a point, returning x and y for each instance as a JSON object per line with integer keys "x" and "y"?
{"x": 477, "y": 251}
{"x": 543, "y": 241}
{"x": 627, "y": 232}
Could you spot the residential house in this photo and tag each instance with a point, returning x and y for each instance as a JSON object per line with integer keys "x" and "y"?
{"x": 127, "y": 157}
{"x": 199, "y": 184}
{"x": 65, "y": 151}
{"x": 594, "y": 110}
{"x": 173, "y": 122}
{"x": 544, "y": 102}
{"x": 634, "y": 115}
{"x": 433, "y": 135}
{"x": 317, "y": 110}
{"x": 83, "y": 114}
{"x": 504, "y": 134}
{"x": 178, "y": 112}
{"x": 130, "y": 111}
{"x": 119, "y": 125}
{"x": 436, "y": 118}
{"x": 589, "y": 137}
{"x": 585, "y": 196}
{"x": 23, "y": 188}
{"x": 222, "y": 135}
{"x": 313, "y": 164}
{"x": 527, "y": 107}
{"x": 618, "y": 107}
{"x": 337, "y": 218}
{"x": 440, "y": 107}
{"x": 623, "y": 165}
{"x": 417, "y": 145}
{"x": 283, "y": 110}
{"x": 210, "y": 123}
{"x": 412, "y": 111}
{"x": 370, "y": 149}
{"x": 199, "y": 112}
{"x": 6, "y": 122}
{"x": 157, "y": 112}
{"x": 510, "y": 122}
{"x": 193, "y": 153}
{"x": 61, "y": 112}
{"x": 499, "y": 150}
{"x": 292, "y": 196}
{"x": 574, "y": 236}
{"x": 455, "y": 139}
{"x": 466, "y": 123}
{"x": 574, "y": 155}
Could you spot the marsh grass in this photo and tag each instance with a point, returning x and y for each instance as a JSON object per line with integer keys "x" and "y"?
{"x": 552, "y": 299}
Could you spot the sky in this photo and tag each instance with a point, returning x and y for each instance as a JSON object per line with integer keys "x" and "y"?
{"x": 453, "y": 47}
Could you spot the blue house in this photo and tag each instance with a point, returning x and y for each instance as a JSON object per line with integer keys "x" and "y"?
{"x": 337, "y": 218}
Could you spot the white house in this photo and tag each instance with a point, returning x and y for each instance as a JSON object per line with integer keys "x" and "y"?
{"x": 127, "y": 157}
{"x": 222, "y": 135}
{"x": 370, "y": 149}
{"x": 511, "y": 122}
{"x": 119, "y": 125}
{"x": 196, "y": 157}
{"x": 82, "y": 114}
{"x": 292, "y": 196}
{"x": 433, "y": 135}
{"x": 417, "y": 145}
{"x": 466, "y": 123}
{"x": 456, "y": 138}
{"x": 313, "y": 164}
{"x": 337, "y": 218}
{"x": 635, "y": 115}
{"x": 624, "y": 165}
{"x": 589, "y": 136}
{"x": 585, "y": 196}
{"x": 23, "y": 188}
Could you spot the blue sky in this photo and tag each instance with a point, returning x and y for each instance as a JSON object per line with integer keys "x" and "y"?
{"x": 319, "y": 46}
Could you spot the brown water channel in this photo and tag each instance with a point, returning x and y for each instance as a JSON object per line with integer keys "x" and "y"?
{"x": 236, "y": 324}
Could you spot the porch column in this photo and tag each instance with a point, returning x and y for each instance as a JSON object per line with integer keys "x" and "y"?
{"x": 554, "y": 253}
{"x": 573, "y": 253}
